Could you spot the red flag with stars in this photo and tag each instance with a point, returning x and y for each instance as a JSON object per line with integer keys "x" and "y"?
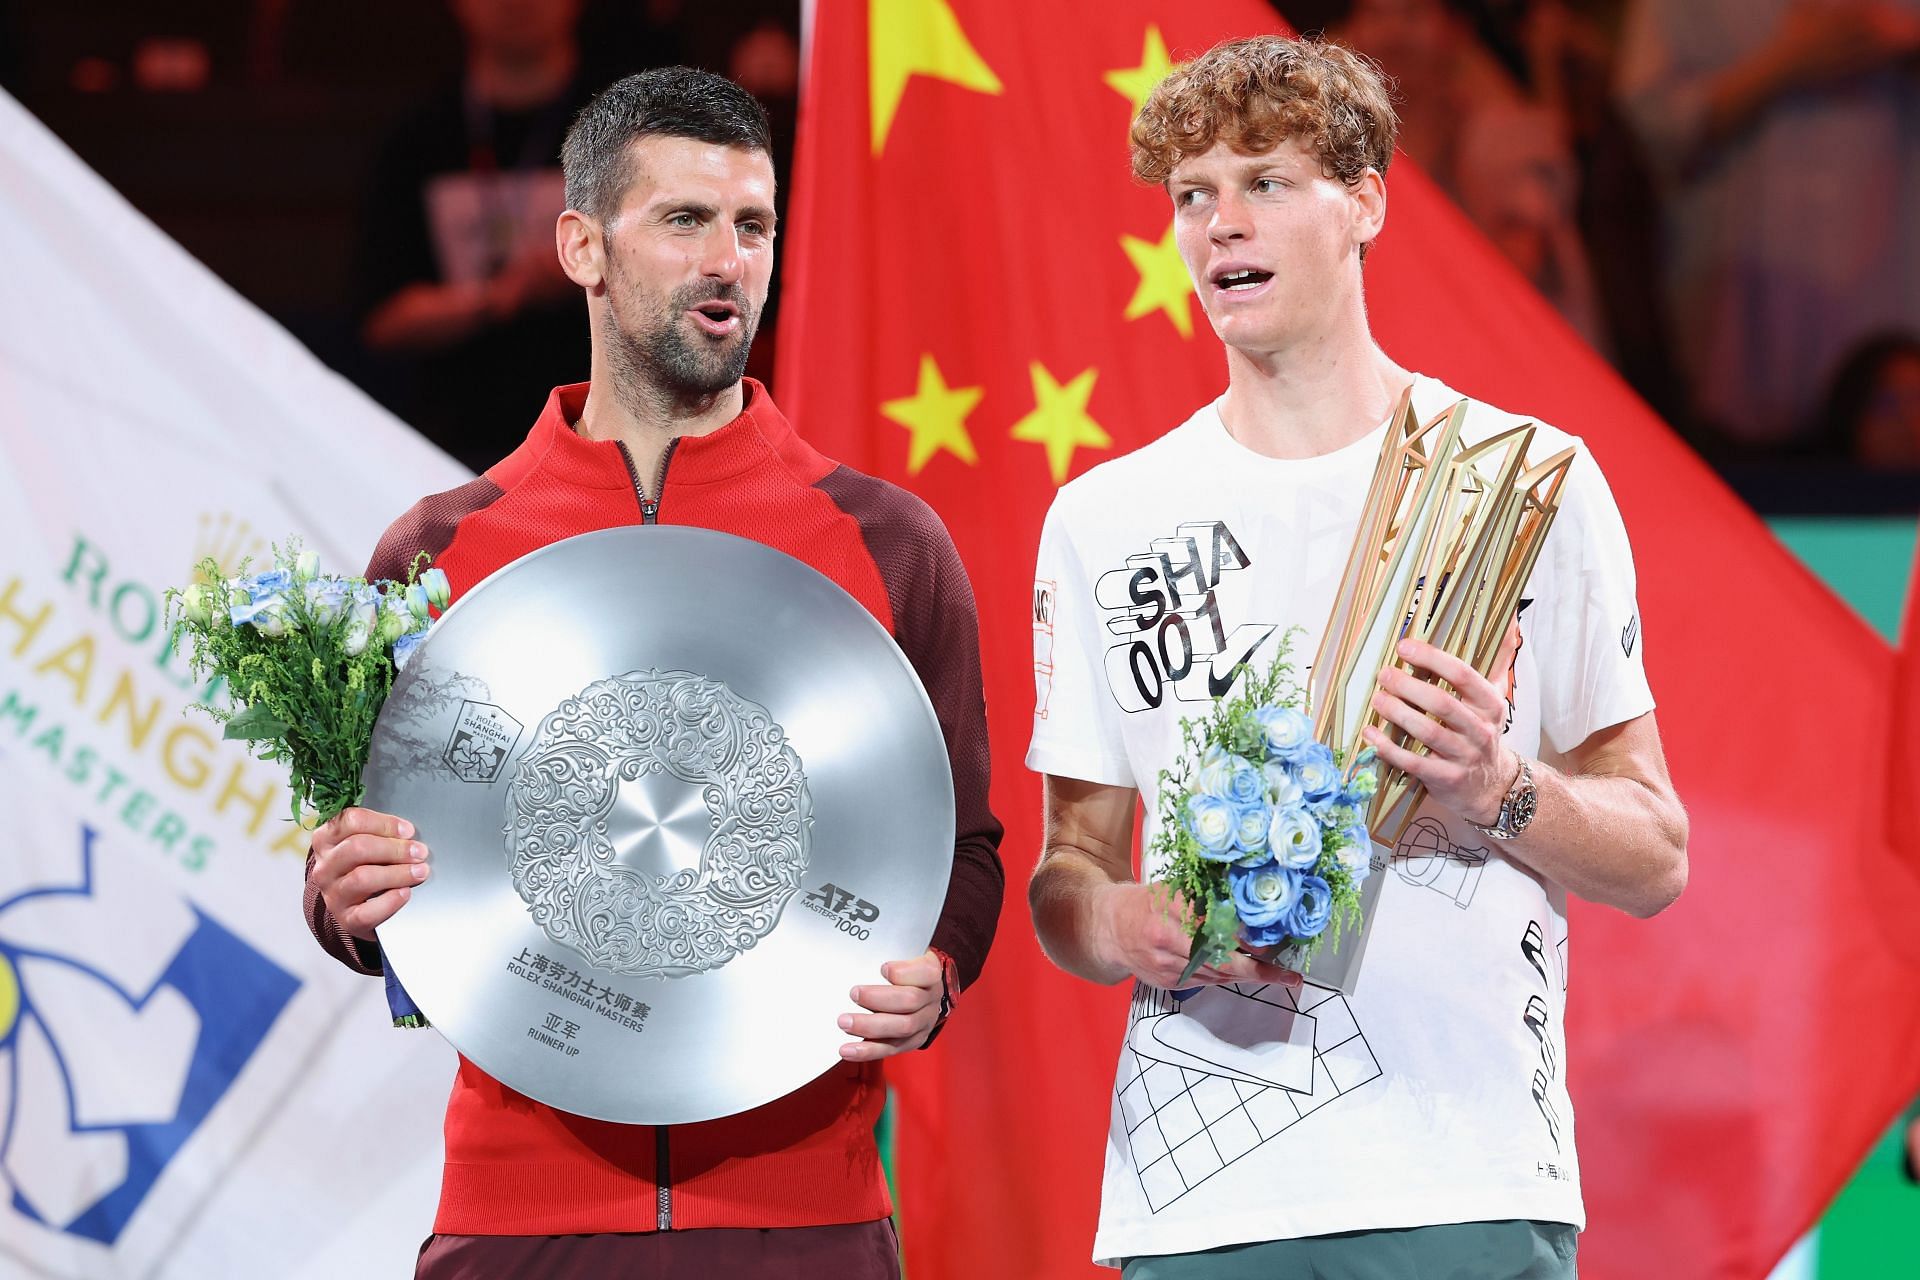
{"x": 981, "y": 303}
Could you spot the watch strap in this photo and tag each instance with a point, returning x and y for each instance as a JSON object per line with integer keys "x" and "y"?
{"x": 1502, "y": 827}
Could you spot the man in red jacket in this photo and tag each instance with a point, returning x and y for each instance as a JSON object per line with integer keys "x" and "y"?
{"x": 669, "y": 231}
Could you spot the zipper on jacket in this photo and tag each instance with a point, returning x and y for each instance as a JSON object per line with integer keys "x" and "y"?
{"x": 649, "y": 507}
{"x": 664, "y": 1197}
{"x": 650, "y": 514}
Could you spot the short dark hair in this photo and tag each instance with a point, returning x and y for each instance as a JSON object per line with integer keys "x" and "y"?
{"x": 678, "y": 102}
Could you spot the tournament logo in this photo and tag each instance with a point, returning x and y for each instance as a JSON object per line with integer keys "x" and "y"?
{"x": 850, "y": 914}
{"x": 483, "y": 738}
{"x": 228, "y": 540}
{"x": 123, "y": 1023}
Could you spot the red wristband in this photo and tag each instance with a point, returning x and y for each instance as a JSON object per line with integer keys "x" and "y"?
{"x": 949, "y": 992}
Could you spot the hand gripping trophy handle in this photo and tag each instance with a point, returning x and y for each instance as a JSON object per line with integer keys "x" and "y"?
{"x": 1447, "y": 539}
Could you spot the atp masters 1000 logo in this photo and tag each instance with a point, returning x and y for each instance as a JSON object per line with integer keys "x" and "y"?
{"x": 850, "y": 914}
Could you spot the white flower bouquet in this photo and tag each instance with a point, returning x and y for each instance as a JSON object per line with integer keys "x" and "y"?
{"x": 307, "y": 660}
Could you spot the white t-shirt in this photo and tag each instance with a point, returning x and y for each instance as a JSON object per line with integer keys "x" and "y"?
{"x": 1437, "y": 1092}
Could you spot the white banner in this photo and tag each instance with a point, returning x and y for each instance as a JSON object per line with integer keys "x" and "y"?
{"x": 188, "y": 1086}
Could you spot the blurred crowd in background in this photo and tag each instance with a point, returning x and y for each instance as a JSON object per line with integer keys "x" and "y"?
{"x": 1722, "y": 196}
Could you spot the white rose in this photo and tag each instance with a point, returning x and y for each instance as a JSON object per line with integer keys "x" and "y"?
{"x": 361, "y": 620}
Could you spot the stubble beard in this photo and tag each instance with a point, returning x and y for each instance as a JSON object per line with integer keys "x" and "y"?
{"x": 670, "y": 360}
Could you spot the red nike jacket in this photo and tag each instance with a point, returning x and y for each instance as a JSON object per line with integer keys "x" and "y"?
{"x": 517, "y": 1167}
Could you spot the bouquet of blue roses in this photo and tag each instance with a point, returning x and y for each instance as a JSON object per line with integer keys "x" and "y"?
{"x": 1262, "y": 827}
{"x": 307, "y": 660}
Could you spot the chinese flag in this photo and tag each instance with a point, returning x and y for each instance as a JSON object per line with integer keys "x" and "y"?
{"x": 981, "y": 303}
{"x": 1903, "y": 754}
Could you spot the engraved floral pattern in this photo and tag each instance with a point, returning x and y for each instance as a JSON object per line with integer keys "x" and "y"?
{"x": 565, "y": 788}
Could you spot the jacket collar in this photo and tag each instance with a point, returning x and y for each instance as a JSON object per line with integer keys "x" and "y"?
{"x": 759, "y": 434}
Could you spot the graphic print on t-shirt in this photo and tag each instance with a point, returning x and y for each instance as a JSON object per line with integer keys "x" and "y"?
{"x": 1046, "y": 596}
{"x": 1164, "y": 606}
{"x": 1195, "y": 1095}
{"x": 1534, "y": 1015}
{"x": 1428, "y": 857}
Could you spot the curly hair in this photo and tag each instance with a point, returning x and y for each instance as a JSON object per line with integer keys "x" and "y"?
{"x": 1255, "y": 93}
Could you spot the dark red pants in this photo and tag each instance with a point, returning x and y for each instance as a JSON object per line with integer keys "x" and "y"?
{"x": 850, "y": 1251}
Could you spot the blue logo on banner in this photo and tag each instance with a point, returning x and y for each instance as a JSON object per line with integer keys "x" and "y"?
{"x": 235, "y": 992}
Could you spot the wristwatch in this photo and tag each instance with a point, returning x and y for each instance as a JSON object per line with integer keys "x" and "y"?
{"x": 1516, "y": 810}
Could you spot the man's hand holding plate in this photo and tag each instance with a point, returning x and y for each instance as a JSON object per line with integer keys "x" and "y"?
{"x": 366, "y": 865}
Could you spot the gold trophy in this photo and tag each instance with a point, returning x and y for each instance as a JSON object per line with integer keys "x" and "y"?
{"x": 1446, "y": 542}
{"x": 1447, "y": 539}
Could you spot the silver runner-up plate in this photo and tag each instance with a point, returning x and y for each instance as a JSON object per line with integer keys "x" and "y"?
{"x": 681, "y": 792}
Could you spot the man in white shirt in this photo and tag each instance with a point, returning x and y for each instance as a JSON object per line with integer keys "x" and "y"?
{"x": 1267, "y": 1126}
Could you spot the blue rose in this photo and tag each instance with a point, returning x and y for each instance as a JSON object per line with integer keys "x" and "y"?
{"x": 1282, "y": 791}
{"x": 1216, "y": 772}
{"x": 271, "y": 583}
{"x": 1265, "y": 935}
{"x": 1318, "y": 776}
{"x": 1285, "y": 729}
{"x": 1211, "y": 820}
{"x": 1263, "y": 894}
{"x": 1250, "y": 833}
{"x": 403, "y": 647}
{"x": 1294, "y": 838}
{"x": 1312, "y": 907}
{"x": 1247, "y": 785}
{"x": 268, "y": 613}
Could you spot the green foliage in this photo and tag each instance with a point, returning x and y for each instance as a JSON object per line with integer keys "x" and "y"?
{"x": 308, "y": 680}
{"x": 254, "y": 723}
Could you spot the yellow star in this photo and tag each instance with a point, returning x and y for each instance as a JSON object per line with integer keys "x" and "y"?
{"x": 1164, "y": 284}
{"x": 907, "y": 38}
{"x": 1135, "y": 84}
{"x": 936, "y": 414}
{"x": 1059, "y": 420}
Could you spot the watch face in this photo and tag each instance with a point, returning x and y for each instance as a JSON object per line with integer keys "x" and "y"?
{"x": 1522, "y": 809}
